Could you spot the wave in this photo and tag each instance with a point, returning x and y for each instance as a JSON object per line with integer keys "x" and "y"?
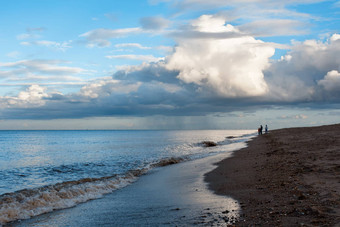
{"x": 27, "y": 203}
{"x": 168, "y": 161}
{"x": 209, "y": 144}
{"x": 226, "y": 141}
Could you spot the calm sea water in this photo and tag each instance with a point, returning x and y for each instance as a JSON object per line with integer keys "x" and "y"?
{"x": 41, "y": 171}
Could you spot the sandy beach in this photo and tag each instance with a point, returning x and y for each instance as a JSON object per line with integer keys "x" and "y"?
{"x": 288, "y": 177}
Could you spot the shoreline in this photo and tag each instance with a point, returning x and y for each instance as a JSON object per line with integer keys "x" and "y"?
{"x": 34, "y": 201}
{"x": 175, "y": 195}
{"x": 288, "y": 177}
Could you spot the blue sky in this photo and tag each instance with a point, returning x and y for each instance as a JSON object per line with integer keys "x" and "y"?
{"x": 162, "y": 64}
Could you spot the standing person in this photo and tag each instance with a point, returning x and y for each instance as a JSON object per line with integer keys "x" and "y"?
{"x": 261, "y": 128}
{"x": 266, "y": 129}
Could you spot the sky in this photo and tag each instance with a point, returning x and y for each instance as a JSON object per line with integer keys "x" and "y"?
{"x": 169, "y": 64}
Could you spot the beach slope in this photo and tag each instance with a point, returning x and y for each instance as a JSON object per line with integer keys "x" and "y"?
{"x": 288, "y": 177}
{"x": 175, "y": 195}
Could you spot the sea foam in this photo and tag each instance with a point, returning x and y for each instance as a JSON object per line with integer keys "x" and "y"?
{"x": 27, "y": 203}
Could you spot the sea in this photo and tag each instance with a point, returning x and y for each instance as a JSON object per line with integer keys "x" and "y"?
{"x": 43, "y": 171}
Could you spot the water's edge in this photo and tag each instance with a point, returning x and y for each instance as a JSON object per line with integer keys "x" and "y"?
{"x": 28, "y": 203}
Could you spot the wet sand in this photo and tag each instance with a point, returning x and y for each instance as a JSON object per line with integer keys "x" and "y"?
{"x": 175, "y": 195}
{"x": 288, "y": 177}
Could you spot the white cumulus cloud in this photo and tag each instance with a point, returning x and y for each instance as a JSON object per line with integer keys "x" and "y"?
{"x": 335, "y": 37}
{"x": 231, "y": 67}
{"x": 33, "y": 96}
{"x": 102, "y": 88}
{"x": 331, "y": 82}
{"x": 298, "y": 75}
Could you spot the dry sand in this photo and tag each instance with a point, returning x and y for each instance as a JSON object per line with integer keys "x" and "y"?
{"x": 288, "y": 177}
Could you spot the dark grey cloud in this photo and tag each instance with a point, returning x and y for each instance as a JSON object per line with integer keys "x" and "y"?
{"x": 143, "y": 93}
{"x": 152, "y": 90}
{"x": 152, "y": 72}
